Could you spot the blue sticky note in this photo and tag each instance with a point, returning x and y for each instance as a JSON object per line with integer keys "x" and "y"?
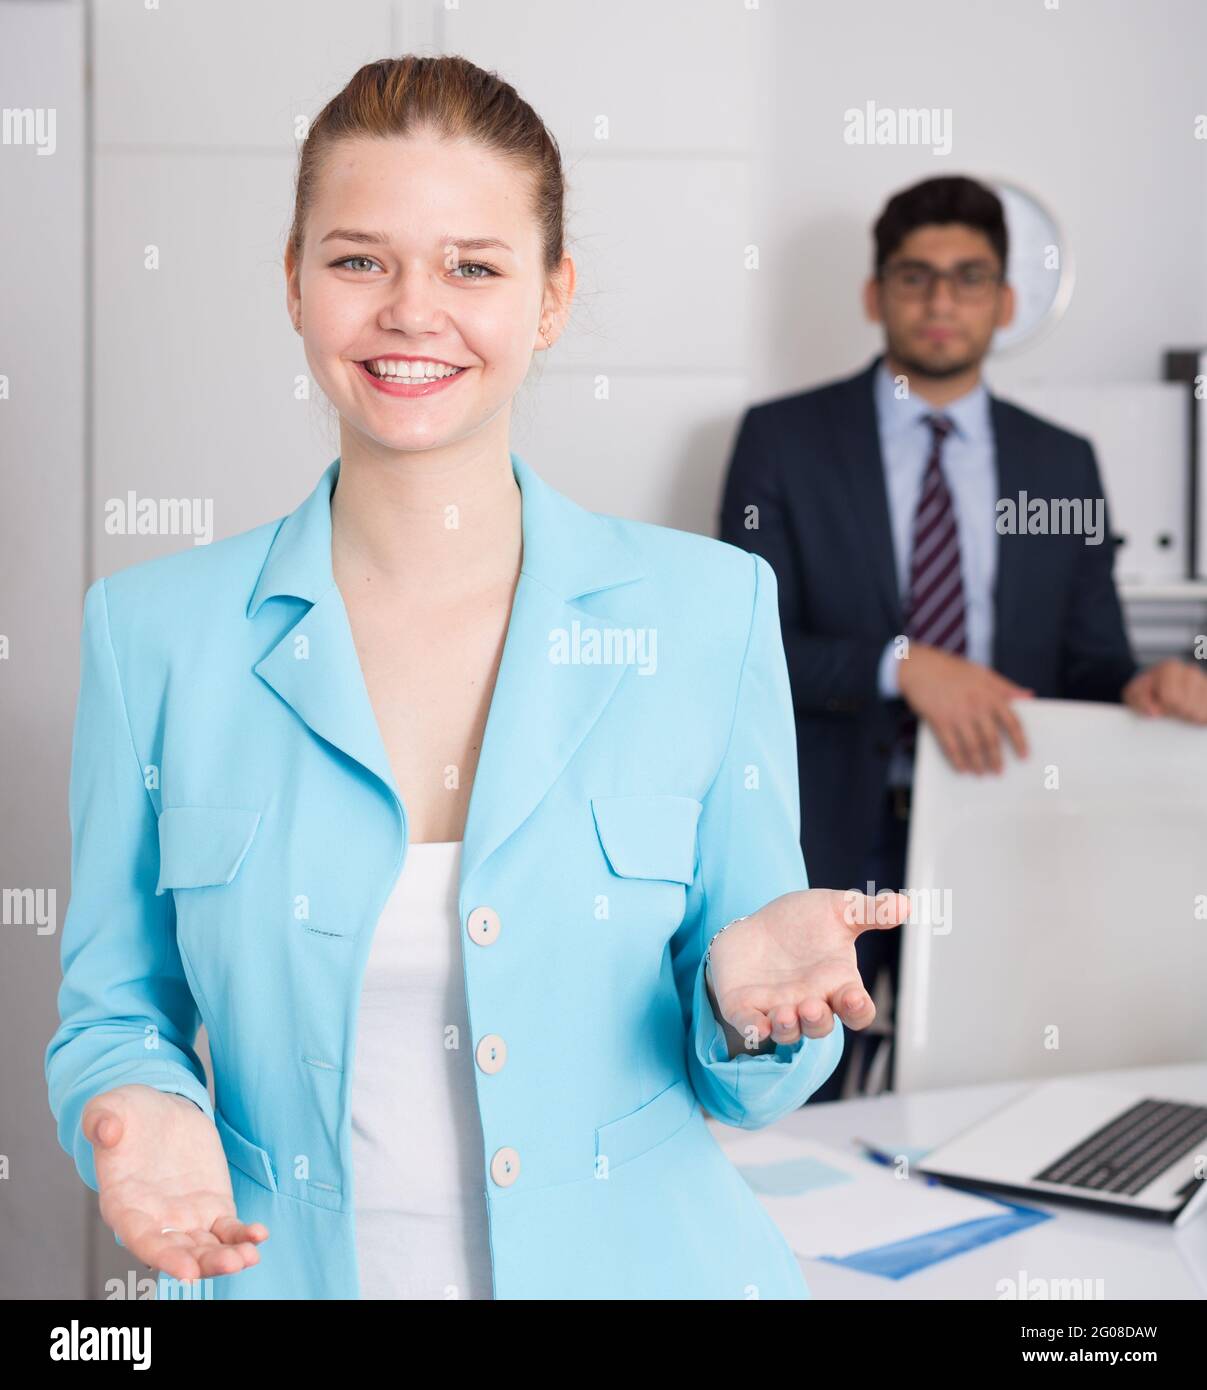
{"x": 792, "y": 1177}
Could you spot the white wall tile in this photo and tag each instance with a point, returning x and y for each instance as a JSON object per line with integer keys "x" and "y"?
{"x": 197, "y": 361}
{"x": 227, "y": 73}
{"x": 668, "y": 75}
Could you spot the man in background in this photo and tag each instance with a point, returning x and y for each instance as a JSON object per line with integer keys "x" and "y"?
{"x": 875, "y": 500}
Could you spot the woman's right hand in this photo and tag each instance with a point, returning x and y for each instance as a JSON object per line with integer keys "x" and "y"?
{"x": 159, "y": 1162}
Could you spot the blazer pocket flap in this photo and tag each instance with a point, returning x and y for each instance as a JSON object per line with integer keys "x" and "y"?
{"x": 200, "y": 846}
{"x": 651, "y": 836}
{"x": 645, "y": 1128}
{"x": 241, "y": 1153}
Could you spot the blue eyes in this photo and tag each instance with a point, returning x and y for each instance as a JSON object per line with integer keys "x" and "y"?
{"x": 465, "y": 265}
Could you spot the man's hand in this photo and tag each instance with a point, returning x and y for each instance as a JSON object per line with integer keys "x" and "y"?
{"x": 1175, "y": 689}
{"x": 967, "y": 706}
{"x": 159, "y": 1162}
{"x": 787, "y": 969}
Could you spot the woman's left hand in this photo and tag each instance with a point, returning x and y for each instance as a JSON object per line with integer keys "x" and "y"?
{"x": 787, "y": 969}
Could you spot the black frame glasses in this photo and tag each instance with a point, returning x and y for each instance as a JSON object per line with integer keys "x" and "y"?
{"x": 971, "y": 281}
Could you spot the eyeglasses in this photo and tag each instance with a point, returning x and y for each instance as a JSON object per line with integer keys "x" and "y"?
{"x": 971, "y": 281}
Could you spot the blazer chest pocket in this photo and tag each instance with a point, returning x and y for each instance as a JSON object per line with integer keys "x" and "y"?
{"x": 203, "y": 846}
{"x": 648, "y": 836}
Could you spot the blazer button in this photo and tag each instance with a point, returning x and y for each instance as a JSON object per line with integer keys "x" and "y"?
{"x": 483, "y": 926}
{"x": 491, "y": 1053}
{"x": 505, "y": 1167}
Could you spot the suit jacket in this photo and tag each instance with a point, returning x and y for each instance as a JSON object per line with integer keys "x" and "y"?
{"x": 812, "y": 465}
{"x": 237, "y": 830}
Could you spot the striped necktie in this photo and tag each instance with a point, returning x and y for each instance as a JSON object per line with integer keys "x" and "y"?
{"x": 934, "y": 610}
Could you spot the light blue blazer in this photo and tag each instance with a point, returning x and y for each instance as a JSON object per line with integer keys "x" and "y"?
{"x": 237, "y": 830}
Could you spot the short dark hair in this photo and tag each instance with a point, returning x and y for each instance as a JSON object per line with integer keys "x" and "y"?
{"x": 950, "y": 198}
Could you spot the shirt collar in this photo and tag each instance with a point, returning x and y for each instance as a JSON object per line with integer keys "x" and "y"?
{"x": 969, "y": 413}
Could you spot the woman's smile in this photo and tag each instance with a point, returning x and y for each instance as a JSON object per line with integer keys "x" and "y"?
{"x": 400, "y": 377}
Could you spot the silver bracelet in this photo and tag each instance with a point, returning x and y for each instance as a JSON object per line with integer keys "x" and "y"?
{"x": 708, "y": 952}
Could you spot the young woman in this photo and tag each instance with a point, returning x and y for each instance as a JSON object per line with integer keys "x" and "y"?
{"x": 446, "y": 805}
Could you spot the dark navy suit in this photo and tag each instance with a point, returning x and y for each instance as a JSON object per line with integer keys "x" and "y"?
{"x": 811, "y": 464}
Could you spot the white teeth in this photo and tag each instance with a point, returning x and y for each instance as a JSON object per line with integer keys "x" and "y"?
{"x": 412, "y": 371}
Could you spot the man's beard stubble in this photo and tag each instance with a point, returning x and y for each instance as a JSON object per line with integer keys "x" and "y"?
{"x": 916, "y": 368}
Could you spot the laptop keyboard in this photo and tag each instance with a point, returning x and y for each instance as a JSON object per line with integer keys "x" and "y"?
{"x": 1128, "y": 1152}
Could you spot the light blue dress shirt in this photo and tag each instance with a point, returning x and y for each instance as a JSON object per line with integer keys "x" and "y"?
{"x": 970, "y": 469}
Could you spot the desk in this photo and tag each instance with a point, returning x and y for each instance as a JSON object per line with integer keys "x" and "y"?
{"x": 1136, "y": 1259}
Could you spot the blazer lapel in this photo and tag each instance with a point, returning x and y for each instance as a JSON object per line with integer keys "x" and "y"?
{"x": 857, "y": 438}
{"x": 314, "y": 668}
{"x": 541, "y": 709}
{"x": 539, "y": 714}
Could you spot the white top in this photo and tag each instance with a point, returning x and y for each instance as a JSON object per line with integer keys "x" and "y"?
{"x": 419, "y": 1189}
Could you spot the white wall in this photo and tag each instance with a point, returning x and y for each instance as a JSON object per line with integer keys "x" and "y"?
{"x": 43, "y": 340}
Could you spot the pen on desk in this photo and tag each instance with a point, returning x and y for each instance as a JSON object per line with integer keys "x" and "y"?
{"x": 871, "y": 1151}
{"x": 878, "y": 1155}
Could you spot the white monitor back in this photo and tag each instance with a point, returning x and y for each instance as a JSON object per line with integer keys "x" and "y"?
{"x": 1059, "y": 906}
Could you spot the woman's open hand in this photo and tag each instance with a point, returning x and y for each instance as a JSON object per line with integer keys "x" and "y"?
{"x": 159, "y": 1162}
{"x": 786, "y": 970}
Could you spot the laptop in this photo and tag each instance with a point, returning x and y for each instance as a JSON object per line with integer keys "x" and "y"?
{"x": 1068, "y": 1141}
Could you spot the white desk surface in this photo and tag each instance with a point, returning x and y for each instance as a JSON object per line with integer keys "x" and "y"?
{"x": 1136, "y": 1259}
